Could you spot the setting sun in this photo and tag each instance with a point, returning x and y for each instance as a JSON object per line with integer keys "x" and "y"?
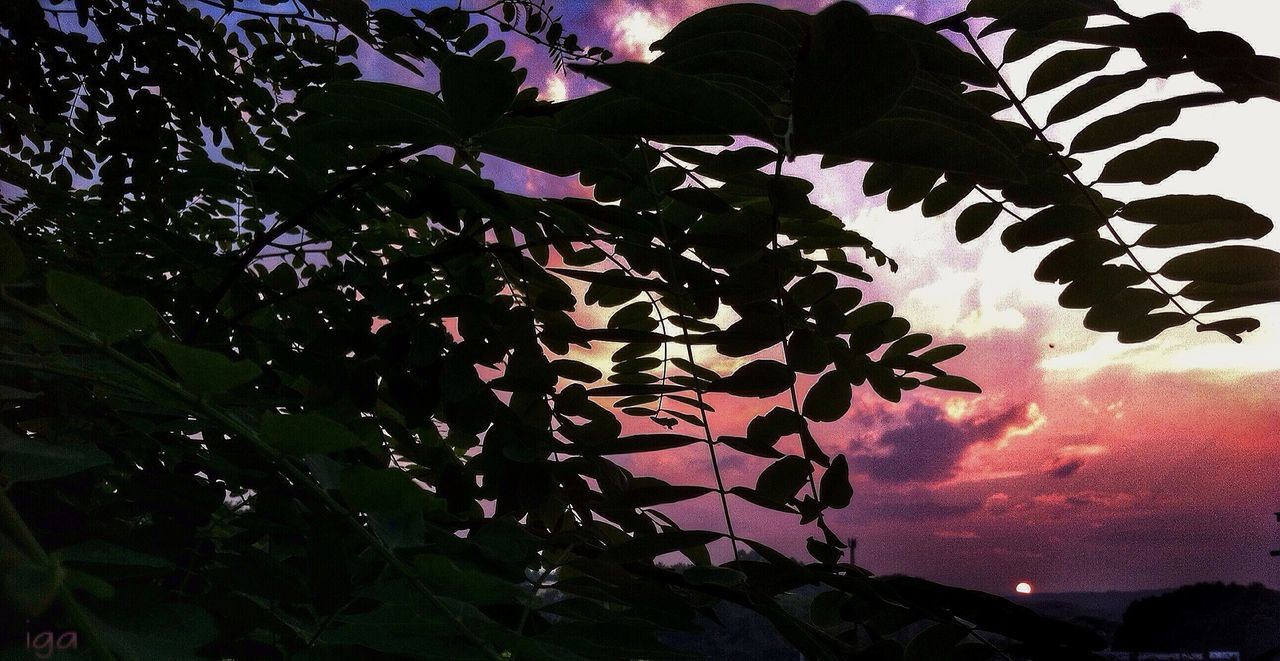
{"x": 1023, "y": 588}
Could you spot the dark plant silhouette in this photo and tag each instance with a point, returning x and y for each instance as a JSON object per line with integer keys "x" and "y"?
{"x": 1203, "y": 617}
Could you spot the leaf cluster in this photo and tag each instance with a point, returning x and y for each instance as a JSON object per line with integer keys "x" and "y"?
{"x": 287, "y": 374}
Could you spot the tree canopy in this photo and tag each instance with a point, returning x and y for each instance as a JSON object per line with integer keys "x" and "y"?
{"x": 287, "y": 375}
{"x": 1205, "y": 617}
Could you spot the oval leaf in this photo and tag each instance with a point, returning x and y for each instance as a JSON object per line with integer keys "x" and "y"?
{"x": 762, "y": 378}
{"x": 306, "y": 433}
{"x": 206, "y": 372}
{"x": 1156, "y": 161}
{"x": 1225, "y": 264}
{"x": 783, "y": 478}
{"x": 1123, "y": 127}
{"x": 953, "y": 383}
{"x": 829, "y": 398}
{"x": 111, "y": 316}
{"x": 976, "y": 220}
{"x": 1062, "y": 68}
{"x": 835, "y": 491}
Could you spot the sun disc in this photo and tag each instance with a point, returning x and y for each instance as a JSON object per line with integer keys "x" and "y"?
{"x": 1023, "y": 588}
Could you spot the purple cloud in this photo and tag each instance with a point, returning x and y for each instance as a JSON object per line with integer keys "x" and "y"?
{"x": 915, "y": 508}
{"x": 927, "y": 448}
{"x": 1063, "y": 467}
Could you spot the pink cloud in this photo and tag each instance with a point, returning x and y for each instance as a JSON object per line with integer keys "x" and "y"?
{"x": 930, "y": 446}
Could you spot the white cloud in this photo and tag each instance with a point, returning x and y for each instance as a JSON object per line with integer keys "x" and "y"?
{"x": 635, "y": 28}
{"x": 555, "y": 88}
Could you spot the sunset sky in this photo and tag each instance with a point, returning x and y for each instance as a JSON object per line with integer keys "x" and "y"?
{"x": 1085, "y": 464}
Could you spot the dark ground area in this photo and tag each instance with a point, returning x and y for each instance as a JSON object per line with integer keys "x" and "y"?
{"x": 1200, "y": 617}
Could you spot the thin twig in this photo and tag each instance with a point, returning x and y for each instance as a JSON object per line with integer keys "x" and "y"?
{"x": 697, "y": 390}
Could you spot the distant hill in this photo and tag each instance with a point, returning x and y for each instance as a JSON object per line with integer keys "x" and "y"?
{"x": 1108, "y": 605}
{"x": 1246, "y": 621}
{"x": 1205, "y": 616}
{"x": 1189, "y": 618}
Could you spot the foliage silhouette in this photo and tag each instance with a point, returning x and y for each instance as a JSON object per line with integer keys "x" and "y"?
{"x": 1204, "y": 616}
{"x": 286, "y": 375}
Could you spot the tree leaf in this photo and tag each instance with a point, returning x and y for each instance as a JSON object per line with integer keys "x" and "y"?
{"x": 12, "y": 263}
{"x": 783, "y": 478}
{"x": 827, "y": 554}
{"x": 928, "y": 140}
{"x": 382, "y": 490}
{"x": 953, "y": 383}
{"x": 98, "y": 552}
{"x": 636, "y": 315}
{"x": 942, "y": 352}
{"x": 157, "y": 631}
{"x": 305, "y": 433}
{"x": 466, "y": 584}
{"x": 1093, "y": 94}
{"x": 756, "y": 447}
{"x": 111, "y": 316}
{"x": 813, "y": 288}
{"x": 848, "y": 76}
{"x": 722, "y": 576}
{"x": 1187, "y": 219}
{"x": 711, "y": 106}
{"x": 761, "y": 378}
{"x": 1158, "y": 160}
{"x": 1186, "y": 209}
{"x": 913, "y": 187}
{"x": 829, "y": 398}
{"x": 1100, "y": 284}
{"x": 1147, "y": 327}
{"x": 400, "y": 629}
{"x": 543, "y": 146}
{"x": 935, "y": 53}
{"x": 944, "y": 198}
{"x": 635, "y": 443}
{"x": 1224, "y": 264}
{"x": 907, "y": 344}
{"x": 31, "y": 588}
{"x": 974, "y": 221}
{"x": 651, "y": 545}
{"x": 476, "y": 92}
{"x": 369, "y": 112}
{"x": 1049, "y": 225}
{"x": 1232, "y": 328}
{"x": 835, "y": 491}
{"x": 1231, "y": 296}
{"x": 205, "y": 372}
{"x": 1119, "y": 311}
{"x": 1074, "y": 259}
{"x": 633, "y": 389}
{"x": 648, "y": 491}
{"x": 1186, "y": 234}
{"x": 576, "y": 371}
{"x": 1125, "y": 126}
{"x": 807, "y": 352}
{"x": 25, "y": 459}
{"x": 775, "y": 424}
{"x": 1062, "y": 68}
